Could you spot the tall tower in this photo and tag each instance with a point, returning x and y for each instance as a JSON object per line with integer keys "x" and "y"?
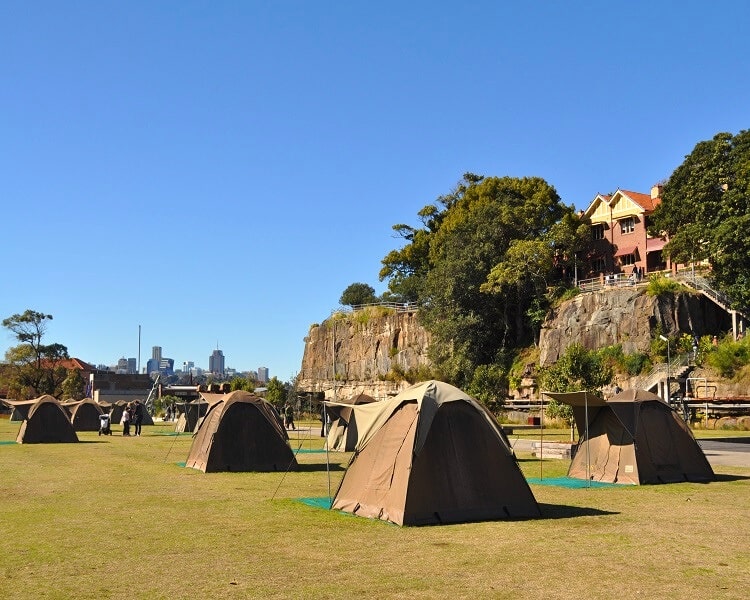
{"x": 156, "y": 353}
{"x": 216, "y": 362}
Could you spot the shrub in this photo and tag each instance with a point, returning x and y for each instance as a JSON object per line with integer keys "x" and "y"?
{"x": 619, "y": 362}
{"x": 489, "y": 385}
{"x": 729, "y": 356}
{"x": 658, "y": 285}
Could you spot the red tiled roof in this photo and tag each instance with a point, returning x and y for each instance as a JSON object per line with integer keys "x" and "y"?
{"x": 645, "y": 201}
{"x": 75, "y": 363}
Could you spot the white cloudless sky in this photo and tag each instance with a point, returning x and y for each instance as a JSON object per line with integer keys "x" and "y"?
{"x": 218, "y": 172}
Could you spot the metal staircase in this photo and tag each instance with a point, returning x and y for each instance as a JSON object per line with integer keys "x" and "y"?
{"x": 152, "y": 395}
{"x": 679, "y": 368}
{"x": 723, "y": 301}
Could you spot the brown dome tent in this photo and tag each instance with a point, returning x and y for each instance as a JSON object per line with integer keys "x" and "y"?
{"x": 343, "y": 432}
{"x": 84, "y": 414}
{"x": 115, "y": 410}
{"x": 635, "y": 438}
{"x": 240, "y": 432}
{"x": 433, "y": 455}
{"x": 46, "y": 422}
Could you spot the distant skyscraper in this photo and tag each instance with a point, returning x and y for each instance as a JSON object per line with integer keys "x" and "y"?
{"x": 132, "y": 366}
{"x": 216, "y": 362}
{"x": 159, "y": 363}
{"x": 262, "y": 374}
{"x": 188, "y": 366}
{"x": 166, "y": 366}
{"x": 152, "y": 365}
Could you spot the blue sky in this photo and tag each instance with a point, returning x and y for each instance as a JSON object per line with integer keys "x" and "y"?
{"x": 219, "y": 172}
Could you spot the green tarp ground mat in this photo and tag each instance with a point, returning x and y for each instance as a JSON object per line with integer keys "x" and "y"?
{"x": 7, "y": 442}
{"x": 180, "y": 464}
{"x": 309, "y": 451}
{"x": 571, "y": 482}
{"x": 324, "y": 502}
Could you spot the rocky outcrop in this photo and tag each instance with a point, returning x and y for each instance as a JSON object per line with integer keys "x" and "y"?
{"x": 374, "y": 349}
{"x": 626, "y": 316}
{"x": 364, "y": 351}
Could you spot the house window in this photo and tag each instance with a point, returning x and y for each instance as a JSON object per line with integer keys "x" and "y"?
{"x": 597, "y": 231}
{"x": 627, "y": 260}
{"x": 599, "y": 265}
{"x": 627, "y": 225}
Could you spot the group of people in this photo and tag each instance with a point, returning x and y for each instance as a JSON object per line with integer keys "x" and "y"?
{"x": 132, "y": 413}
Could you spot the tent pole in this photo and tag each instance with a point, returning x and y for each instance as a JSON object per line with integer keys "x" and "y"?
{"x": 541, "y": 435}
{"x": 328, "y": 468}
{"x": 588, "y": 454}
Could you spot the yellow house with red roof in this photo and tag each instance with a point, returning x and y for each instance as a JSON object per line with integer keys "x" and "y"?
{"x": 619, "y": 224}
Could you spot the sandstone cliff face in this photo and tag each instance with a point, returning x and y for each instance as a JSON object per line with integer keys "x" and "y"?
{"x": 367, "y": 348}
{"x": 626, "y": 316}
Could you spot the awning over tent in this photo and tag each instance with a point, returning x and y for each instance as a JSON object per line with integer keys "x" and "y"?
{"x": 22, "y": 406}
{"x": 584, "y": 404}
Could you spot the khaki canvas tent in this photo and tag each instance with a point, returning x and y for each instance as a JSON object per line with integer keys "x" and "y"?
{"x": 191, "y": 413}
{"x": 240, "y": 432}
{"x": 45, "y": 421}
{"x": 343, "y": 432}
{"x": 432, "y": 455}
{"x": 19, "y": 408}
{"x": 84, "y": 414}
{"x": 634, "y": 438}
{"x": 115, "y": 410}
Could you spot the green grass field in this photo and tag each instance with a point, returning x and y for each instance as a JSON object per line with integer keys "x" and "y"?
{"x": 115, "y": 517}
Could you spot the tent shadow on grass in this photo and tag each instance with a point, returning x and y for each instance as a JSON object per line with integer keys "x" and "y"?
{"x": 725, "y": 477}
{"x": 562, "y": 511}
{"x": 314, "y": 468}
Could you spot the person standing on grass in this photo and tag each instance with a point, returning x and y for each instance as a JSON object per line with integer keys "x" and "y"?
{"x": 125, "y": 420}
{"x": 138, "y": 417}
{"x": 289, "y": 416}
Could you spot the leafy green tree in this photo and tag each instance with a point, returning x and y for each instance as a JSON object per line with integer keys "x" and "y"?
{"x": 489, "y": 384}
{"x": 705, "y": 211}
{"x": 446, "y": 263}
{"x": 161, "y": 403}
{"x": 358, "y": 293}
{"x": 241, "y": 383}
{"x": 73, "y": 386}
{"x": 276, "y": 391}
{"x": 577, "y": 369}
{"x": 33, "y": 368}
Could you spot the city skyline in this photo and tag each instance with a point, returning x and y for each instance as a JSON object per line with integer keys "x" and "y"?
{"x": 129, "y": 364}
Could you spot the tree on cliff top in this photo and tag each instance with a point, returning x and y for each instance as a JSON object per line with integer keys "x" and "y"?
{"x": 705, "y": 210}
{"x": 358, "y": 293}
{"x": 446, "y": 263}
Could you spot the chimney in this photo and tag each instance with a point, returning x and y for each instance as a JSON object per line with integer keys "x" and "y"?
{"x": 656, "y": 191}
